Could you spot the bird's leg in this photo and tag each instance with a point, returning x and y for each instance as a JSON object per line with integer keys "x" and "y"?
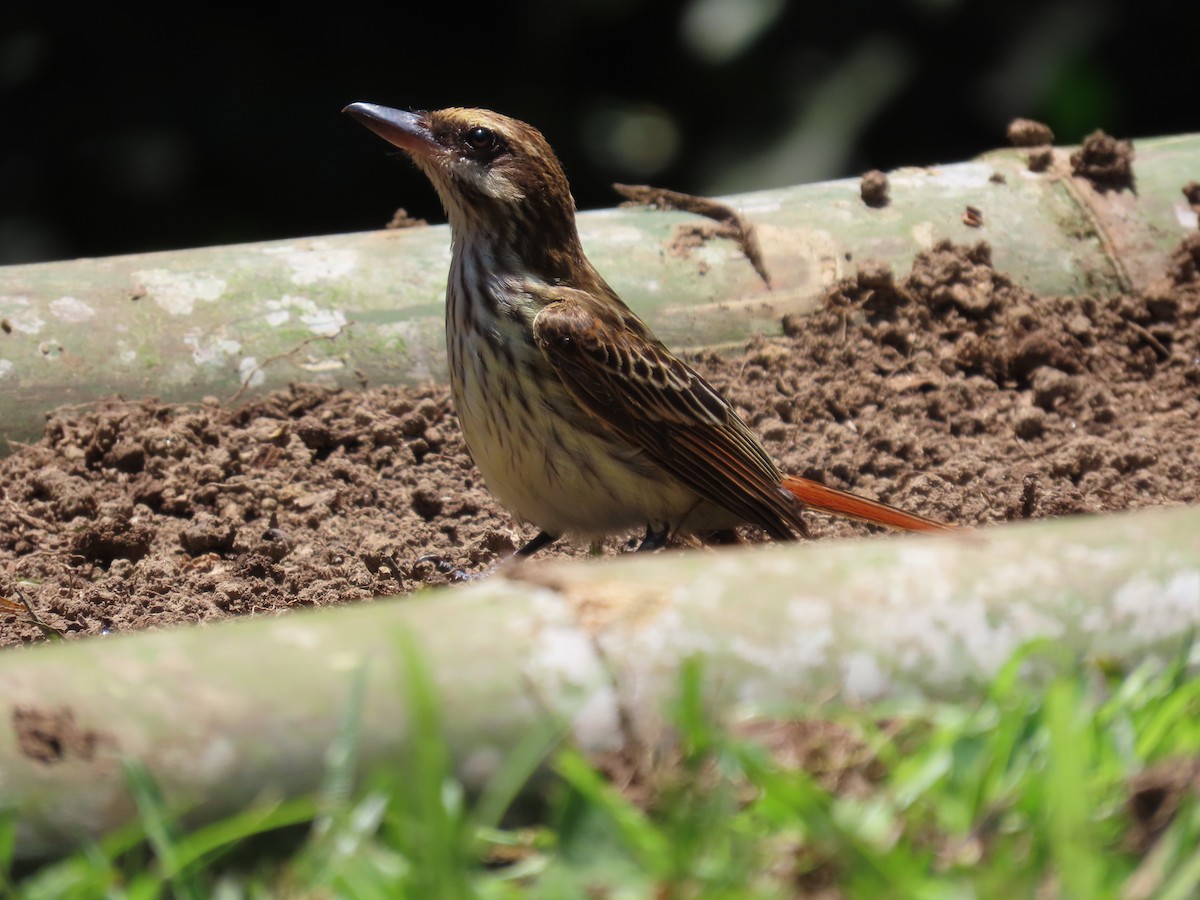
{"x": 539, "y": 541}
{"x": 443, "y": 565}
{"x": 655, "y": 539}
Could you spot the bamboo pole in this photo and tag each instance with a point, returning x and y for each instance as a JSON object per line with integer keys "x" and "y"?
{"x": 342, "y": 309}
{"x": 222, "y": 713}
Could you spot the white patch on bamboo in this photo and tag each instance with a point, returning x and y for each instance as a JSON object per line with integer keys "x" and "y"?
{"x": 210, "y": 350}
{"x": 6, "y": 368}
{"x": 316, "y": 263}
{"x": 249, "y": 373}
{"x": 953, "y": 630}
{"x": 922, "y": 234}
{"x": 328, "y": 364}
{"x": 960, "y": 176}
{"x": 324, "y": 322}
{"x": 1187, "y": 216}
{"x": 1151, "y": 609}
{"x": 862, "y": 677}
{"x": 767, "y": 202}
{"x": 70, "y": 309}
{"x": 613, "y": 233}
{"x": 19, "y": 313}
{"x": 295, "y": 634}
{"x": 178, "y": 292}
{"x": 320, "y": 321}
{"x": 573, "y": 681}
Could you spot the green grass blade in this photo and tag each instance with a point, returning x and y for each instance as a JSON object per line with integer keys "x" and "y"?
{"x": 1069, "y": 802}
{"x": 209, "y": 843}
{"x": 341, "y": 759}
{"x": 515, "y": 771}
{"x": 8, "y": 842}
{"x": 640, "y": 835}
{"x": 161, "y": 829}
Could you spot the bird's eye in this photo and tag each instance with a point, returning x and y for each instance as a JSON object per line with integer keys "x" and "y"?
{"x": 480, "y": 140}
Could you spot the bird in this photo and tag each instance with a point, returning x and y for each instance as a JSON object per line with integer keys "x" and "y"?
{"x": 580, "y": 420}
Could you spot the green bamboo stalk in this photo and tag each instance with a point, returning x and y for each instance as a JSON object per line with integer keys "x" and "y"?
{"x": 341, "y": 309}
{"x": 222, "y": 713}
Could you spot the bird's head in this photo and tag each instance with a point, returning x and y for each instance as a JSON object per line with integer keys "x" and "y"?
{"x": 490, "y": 171}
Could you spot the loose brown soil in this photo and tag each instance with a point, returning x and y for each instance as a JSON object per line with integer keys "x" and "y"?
{"x": 953, "y": 392}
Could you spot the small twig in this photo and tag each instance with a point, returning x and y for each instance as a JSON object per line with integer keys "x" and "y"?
{"x": 739, "y": 229}
{"x": 48, "y": 631}
{"x": 1149, "y": 338}
{"x": 1107, "y": 244}
{"x": 275, "y": 357}
{"x": 15, "y": 510}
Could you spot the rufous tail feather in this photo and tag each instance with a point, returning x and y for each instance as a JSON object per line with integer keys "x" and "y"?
{"x": 822, "y": 498}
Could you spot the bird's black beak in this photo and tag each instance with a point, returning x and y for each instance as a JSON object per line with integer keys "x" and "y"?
{"x": 406, "y": 130}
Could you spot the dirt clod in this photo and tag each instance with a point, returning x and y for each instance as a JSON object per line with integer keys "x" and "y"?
{"x": 874, "y": 189}
{"x": 52, "y": 735}
{"x": 1029, "y": 133}
{"x": 112, "y": 538}
{"x": 1105, "y": 162}
{"x": 402, "y": 219}
{"x": 1040, "y": 160}
{"x": 1191, "y": 191}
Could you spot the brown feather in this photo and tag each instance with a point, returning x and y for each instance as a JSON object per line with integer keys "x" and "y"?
{"x": 650, "y": 398}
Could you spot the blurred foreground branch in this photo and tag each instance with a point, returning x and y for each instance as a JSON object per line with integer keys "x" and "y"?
{"x": 223, "y": 713}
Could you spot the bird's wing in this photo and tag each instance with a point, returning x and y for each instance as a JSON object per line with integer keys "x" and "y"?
{"x": 637, "y": 389}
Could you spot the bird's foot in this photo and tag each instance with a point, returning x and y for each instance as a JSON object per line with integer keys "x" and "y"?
{"x": 655, "y": 539}
{"x": 456, "y": 574}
